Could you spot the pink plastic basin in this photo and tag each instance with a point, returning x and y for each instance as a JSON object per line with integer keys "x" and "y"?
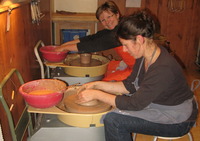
{"x": 43, "y": 100}
{"x": 50, "y": 55}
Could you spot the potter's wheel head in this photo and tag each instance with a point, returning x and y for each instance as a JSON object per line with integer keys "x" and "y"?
{"x": 90, "y": 108}
{"x": 77, "y": 62}
{"x": 97, "y": 66}
{"x": 68, "y": 104}
{"x": 80, "y": 119}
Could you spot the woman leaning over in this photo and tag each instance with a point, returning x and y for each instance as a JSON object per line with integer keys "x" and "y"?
{"x": 156, "y": 99}
{"x": 109, "y": 16}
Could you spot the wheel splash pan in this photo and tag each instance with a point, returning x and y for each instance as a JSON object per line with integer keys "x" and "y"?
{"x": 81, "y": 71}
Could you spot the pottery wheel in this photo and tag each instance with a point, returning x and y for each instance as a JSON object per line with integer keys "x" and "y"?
{"x": 77, "y": 62}
{"x": 73, "y": 107}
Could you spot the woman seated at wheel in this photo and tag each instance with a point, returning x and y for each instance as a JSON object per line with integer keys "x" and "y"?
{"x": 108, "y": 15}
{"x": 156, "y": 99}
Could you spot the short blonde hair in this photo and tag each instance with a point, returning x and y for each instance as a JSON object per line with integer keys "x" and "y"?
{"x": 108, "y": 6}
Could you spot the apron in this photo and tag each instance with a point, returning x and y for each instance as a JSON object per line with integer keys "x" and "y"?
{"x": 162, "y": 114}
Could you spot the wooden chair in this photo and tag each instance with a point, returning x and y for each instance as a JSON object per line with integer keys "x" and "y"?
{"x": 24, "y": 123}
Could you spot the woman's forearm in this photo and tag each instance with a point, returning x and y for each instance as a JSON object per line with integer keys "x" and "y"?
{"x": 106, "y": 98}
{"x": 67, "y": 47}
{"x": 111, "y": 87}
{"x": 71, "y": 42}
{"x": 70, "y": 47}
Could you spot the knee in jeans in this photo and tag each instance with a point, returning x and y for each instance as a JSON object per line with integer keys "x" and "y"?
{"x": 109, "y": 118}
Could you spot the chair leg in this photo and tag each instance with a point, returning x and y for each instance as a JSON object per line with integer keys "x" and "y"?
{"x": 190, "y": 136}
{"x": 134, "y": 136}
{"x": 155, "y": 138}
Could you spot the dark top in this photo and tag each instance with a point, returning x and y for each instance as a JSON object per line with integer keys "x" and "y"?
{"x": 164, "y": 83}
{"x": 102, "y": 40}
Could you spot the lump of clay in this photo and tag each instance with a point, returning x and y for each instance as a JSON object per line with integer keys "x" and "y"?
{"x": 90, "y": 103}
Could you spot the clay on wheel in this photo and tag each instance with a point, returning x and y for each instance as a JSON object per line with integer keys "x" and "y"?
{"x": 72, "y": 107}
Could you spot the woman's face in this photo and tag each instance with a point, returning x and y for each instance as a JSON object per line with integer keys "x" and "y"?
{"x": 109, "y": 20}
{"x": 134, "y": 48}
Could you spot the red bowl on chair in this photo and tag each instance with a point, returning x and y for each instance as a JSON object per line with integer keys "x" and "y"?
{"x": 50, "y": 55}
{"x": 43, "y": 93}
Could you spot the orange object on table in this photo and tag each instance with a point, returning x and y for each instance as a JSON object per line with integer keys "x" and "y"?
{"x": 112, "y": 73}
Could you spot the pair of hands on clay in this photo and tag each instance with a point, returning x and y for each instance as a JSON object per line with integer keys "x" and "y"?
{"x": 87, "y": 94}
{"x": 98, "y": 91}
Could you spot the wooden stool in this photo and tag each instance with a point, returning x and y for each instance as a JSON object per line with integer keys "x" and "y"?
{"x": 173, "y": 138}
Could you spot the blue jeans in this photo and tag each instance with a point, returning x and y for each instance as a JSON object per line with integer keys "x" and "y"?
{"x": 119, "y": 127}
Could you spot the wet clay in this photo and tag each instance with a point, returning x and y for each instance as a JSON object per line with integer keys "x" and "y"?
{"x": 85, "y": 58}
{"x": 87, "y": 108}
{"x": 90, "y": 103}
{"x": 41, "y": 92}
{"x": 45, "y": 84}
{"x": 77, "y": 62}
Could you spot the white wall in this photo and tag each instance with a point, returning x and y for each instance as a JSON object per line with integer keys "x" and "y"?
{"x": 81, "y": 6}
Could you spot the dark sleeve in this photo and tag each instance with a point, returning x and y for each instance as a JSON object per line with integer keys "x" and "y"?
{"x": 102, "y": 40}
{"x": 153, "y": 85}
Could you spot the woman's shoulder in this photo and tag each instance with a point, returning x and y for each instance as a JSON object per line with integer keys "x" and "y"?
{"x": 167, "y": 61}
{"x": 165, "y": 55}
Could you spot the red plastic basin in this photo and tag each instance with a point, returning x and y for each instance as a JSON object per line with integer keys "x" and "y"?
{"x": 50, "y": 55}
{"x": 55, "y": 88}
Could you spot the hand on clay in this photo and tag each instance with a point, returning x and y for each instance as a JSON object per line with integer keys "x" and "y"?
{"x": 86, "y": 95}
{"x": 90, "y": 85}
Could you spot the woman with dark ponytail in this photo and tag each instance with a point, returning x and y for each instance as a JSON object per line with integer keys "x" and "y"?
{"x": 156, "y": 99}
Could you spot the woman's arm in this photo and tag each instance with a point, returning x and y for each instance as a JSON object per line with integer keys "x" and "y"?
{"x": 71, "y": 42}
{"x": 100, "y": 90}
{"x": 102, "y": 40}
{"x": 109, "y": 87}
{"x": 68, "y": 46}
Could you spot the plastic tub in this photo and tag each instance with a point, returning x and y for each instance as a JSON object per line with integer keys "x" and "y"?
{"x": 43, "y": 93}
{"x": 50, "y": 55}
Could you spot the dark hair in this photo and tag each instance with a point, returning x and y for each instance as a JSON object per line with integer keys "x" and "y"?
{"x": 140, "y": 23}
{"x": 108, "y": 6}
